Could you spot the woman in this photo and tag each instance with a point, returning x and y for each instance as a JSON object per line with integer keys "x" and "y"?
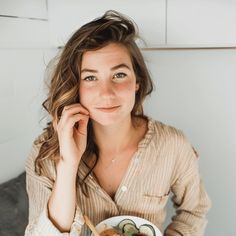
{"x": 100, "y": 155}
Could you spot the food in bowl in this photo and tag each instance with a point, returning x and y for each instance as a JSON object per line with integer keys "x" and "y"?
{"x": 127, "y": 227}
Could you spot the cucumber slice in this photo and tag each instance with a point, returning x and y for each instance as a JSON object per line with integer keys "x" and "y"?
{"x": 147, "y": 229}
{"x": 130, "y": 228}
{"x": 128, "y": 234}
{"x": 125, "y": 221}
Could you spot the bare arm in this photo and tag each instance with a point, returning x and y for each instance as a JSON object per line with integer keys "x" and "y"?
{"x": 72, "y": 141}
{"x": 62, "y": 202}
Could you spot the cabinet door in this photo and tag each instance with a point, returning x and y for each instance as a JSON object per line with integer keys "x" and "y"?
{"x": 23, "y": 33}
{"x": 65, "y": 17}
{"x": 23, "y": 24}
{"x": 24, "y": 8}
{"x": 197, "y": 23}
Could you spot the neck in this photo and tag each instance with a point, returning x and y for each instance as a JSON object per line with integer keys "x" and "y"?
{"x": 113, "y": 138}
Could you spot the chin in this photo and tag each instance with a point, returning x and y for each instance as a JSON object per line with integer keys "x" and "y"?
{"x": 107, "y": 120}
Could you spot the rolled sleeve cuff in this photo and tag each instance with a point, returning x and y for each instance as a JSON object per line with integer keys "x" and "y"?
{"x": 78, "y": 223}
{"x": 46, "y": 227}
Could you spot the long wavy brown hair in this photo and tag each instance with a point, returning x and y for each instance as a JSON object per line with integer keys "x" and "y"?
{"x": 64, "y": 82}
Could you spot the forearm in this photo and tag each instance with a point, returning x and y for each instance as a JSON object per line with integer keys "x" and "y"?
{"x": 62, "y": 202}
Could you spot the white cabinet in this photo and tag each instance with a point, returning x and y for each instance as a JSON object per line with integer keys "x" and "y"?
{"x": 23, "y": 33}
{"x": 65, "y": 17}
{"x": 162, "y": 23}
{"x": 201, "y": 23}
{"x": 23, "y": 24}
{"x": 24, "y": 8}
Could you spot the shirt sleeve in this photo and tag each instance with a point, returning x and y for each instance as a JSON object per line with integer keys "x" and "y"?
{"x": 189, "y": 196}
{"x": 39, "y": 190}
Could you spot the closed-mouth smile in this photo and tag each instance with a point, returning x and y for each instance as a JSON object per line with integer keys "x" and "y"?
{"x": 108, "y": 109}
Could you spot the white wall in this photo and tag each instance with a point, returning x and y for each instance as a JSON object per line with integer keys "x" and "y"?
{"x": 24, "y": 54}
{"x": 21, "y": 95}
{"x": 195, "y": 91}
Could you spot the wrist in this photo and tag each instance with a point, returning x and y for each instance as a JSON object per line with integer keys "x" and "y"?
{"x": 64, "y": 166}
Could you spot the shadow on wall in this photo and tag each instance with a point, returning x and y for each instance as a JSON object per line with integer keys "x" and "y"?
{"x": 13, "y": 207}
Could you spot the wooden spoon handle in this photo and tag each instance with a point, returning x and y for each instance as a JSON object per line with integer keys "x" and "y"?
{"x": 90, "y": 225}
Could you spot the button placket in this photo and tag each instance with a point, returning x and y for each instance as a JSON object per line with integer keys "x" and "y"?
{"x": 136, "y": 160}
{"x": 124, "y": 188}
{"x": 128, "y": 178}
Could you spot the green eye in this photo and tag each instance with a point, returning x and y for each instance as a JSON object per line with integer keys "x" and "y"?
{"x": 119, "y": 75}
{"x": 90, "y": 78}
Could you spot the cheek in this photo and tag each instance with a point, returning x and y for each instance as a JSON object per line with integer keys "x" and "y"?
{"x": 85, "y": 97}
{"x": 128, "y": 87}
{"x": 127, "y": 90}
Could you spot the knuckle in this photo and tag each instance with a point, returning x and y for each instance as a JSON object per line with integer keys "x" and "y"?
{"x": 58, "y": 128}
{"x": 65, "y": 109}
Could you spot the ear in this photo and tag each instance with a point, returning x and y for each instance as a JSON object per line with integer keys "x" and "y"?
{"x": 137, "y": 87}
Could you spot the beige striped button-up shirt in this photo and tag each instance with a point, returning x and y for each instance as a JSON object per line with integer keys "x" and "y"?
{"x": 164, "y": 162}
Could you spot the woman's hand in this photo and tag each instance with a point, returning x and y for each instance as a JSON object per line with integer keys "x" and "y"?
{"x": 72, "y": 133}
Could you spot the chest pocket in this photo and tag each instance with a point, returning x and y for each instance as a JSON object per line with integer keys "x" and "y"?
{"x": 149, "y": 203}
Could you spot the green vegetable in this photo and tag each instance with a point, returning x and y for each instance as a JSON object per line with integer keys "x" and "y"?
{"x": 147, "y": 229}
{"x": 130, "y": 228}
{"x": 125, "y": 221}
{"x": 128, "y": 234}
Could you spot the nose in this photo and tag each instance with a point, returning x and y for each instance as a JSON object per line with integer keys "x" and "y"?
{"x": 107, "y": 89}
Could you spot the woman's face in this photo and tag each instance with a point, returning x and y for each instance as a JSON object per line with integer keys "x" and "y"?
{"x": 108, "y": 84}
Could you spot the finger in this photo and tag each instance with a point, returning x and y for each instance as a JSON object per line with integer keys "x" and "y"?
{"x": 83, "y": 123}
{"x": 67, "y": 123}
{"x": 75, "y": 108}
{"x": 70, "y": 113}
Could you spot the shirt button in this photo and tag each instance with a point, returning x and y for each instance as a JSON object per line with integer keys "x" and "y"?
{"x": 124, "y": 188}
{"x": 136, "y": 160}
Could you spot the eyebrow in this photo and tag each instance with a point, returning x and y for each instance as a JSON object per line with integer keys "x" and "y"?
{"x": 122, "y": 65}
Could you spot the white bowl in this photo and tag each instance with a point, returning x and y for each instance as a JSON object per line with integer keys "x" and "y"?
{"x": 113, "y": 221}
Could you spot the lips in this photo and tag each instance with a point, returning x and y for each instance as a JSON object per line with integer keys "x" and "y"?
{"x": 108, "y": 109}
